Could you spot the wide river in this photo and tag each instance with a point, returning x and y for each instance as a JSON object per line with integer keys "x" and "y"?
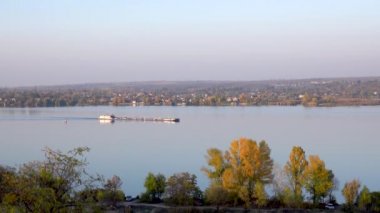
{"x": 346, "y": 138}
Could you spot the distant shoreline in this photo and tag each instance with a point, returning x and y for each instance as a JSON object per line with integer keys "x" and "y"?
{"x": 324, "y": 92}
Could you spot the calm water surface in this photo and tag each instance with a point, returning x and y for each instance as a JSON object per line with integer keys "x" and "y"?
{"x": 346, "y": 138}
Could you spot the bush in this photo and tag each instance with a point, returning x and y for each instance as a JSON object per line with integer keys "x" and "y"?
{"x": 111, "y": 196}
{"x": 217, "y": 195}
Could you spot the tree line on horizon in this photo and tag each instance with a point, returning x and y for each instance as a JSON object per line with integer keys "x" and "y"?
{"x": 239, "y": 176}
{"x": 317, "y": 92}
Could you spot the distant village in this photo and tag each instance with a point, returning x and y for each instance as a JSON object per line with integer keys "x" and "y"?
{"x": 307, "y": 92}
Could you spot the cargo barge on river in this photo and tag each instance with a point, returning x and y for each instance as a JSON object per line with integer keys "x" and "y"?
{"x": 113, "y": 118}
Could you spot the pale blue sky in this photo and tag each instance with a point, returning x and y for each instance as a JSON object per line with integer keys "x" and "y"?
{"x": 69, "y": 41}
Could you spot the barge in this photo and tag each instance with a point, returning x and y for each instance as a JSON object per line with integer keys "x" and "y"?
{"x": 113, "y": 118}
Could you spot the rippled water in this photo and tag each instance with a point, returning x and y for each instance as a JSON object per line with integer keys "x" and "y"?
{"x": 346, "y": 138}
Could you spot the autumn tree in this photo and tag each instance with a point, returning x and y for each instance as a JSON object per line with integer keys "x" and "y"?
{"x": 295, "y": 170}
{"x": 216, "y": 161}
{"x": 350, "y": 192}
{"x": 318, "y": 179}
{"x": 216, "y": 194}
{"x": 249, "y": 164}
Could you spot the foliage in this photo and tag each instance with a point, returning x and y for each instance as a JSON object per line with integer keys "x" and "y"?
{"x": 89, "y": 195}
{"x": 249, "y": 164}
{"x": 260, "y": 195}
{"x": 50, "y": 185}
{"x": 244, "y": 170}
{"x": 295, "y": 170}
{"x": 375, "y": 201}
{"x": 350, "y": 192}
{"x": 289, "y": 200}
{"x": 145, "y": 198}
{"x": 112, "y": 191}
{"x": 155, "y": 187}
{"x": 215, "y": 160}
{"x": 318, "y": 179}
{"x": 217, "y": 195}
{"x": 265, "y": 175}
{"x": 182, "y": 189}
{"x": 6, "y": 176}
{"x": 61, "y": 184}
{"x": 365, "y": 199}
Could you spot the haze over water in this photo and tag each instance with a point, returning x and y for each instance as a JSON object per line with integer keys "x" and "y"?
{"x": 346, "y": 138}
{"x": 49, "y": 42}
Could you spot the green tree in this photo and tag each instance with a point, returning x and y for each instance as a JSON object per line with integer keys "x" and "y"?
{"x": 295, "y": 170}
{"x": 182, "y": 189}
{"x": 365, "y": 199}
{"x": 50, "y": 185}
{"x": 7, "y": 174}
{"x": 318, "y": 179}
{"x": 350, "y": 192}
{"x": 155, "y": 187}
{"x": 375, "y": 201}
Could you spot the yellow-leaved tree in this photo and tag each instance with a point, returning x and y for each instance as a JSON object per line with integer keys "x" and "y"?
{"x": 350, "y": 192}
{"x": 319, "y": 181}
{"x": 295, "y": 170}
{"x": 248, "y": 169}
{"x": 216, "y": 161}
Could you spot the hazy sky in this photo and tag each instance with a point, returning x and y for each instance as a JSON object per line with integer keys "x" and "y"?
{"x": 80, "y": 41}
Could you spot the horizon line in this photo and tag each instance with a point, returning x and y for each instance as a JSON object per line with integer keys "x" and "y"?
{"x": 185, "y": 81}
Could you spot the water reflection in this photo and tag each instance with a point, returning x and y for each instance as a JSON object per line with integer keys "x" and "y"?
{"x": 101, "y": 121}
